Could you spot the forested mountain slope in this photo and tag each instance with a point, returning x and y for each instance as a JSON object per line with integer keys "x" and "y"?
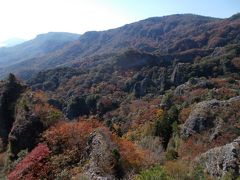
{"x": 156, "y": 99}
{"x": 186, "y": 36}
{"x": 37, "y": 47}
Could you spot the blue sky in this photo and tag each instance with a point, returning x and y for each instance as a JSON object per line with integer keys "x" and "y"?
{"x": 27, "y": 18}
{"x": 146, "y": 8}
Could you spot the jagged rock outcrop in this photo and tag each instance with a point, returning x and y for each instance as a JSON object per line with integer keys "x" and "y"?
{"x": 141, "y": 87}
{"x": 10, "y": 90}
{"x": 179, "y": 73}
{"x": 207, "y": 115}
{"x": 102, "y": 164}
{"x": 200, "y": 118}
{"x": 26, "y": 127}
{"x": 193, "y": 83}
{"x": 220, "y": 160}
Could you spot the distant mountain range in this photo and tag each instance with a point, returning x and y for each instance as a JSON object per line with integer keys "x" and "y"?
{"x": 40, "y": 46}
{"x": 182, "y": 36}
{"x": 11, "y": 42}
{"x": 155, "y": 99}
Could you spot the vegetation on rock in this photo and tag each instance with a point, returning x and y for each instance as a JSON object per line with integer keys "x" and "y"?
{"x": 156, "y": 99}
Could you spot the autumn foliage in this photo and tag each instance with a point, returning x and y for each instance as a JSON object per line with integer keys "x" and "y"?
{"x": 69, "y": 135}
{"x": 47, "y": 113}
{"x": 184, "y": 114}
{"x": 32, "y": 166}
{"x": 68, "y": 141}
{"x": 133, "y": 156}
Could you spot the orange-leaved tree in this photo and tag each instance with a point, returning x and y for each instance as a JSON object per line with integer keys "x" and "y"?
{"x": 69, "y": 135}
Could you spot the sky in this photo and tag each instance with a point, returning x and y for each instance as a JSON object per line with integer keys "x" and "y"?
{"x": 27, "y": 18}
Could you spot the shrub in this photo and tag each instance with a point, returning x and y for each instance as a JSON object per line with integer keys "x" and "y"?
{"x": 184, "y": 114}
{"x": 167, "y": 99}
{"x": 20, "y": 156}
{"x": 105, "y": 104}
{"x": 48, "y": 114}
{"x": 32, "y": 165}
{"x": 138, "y": 132}
{"x": 1, "y": 145}
{"x": 236, "y": 62}
{"x": 196, "y": 144}
{"x": 160, "y": 113}
{"x": 116, "y": 154}
{"x": 175, "y": 128}
{"x": 68, "y": 142}
{"x": 163, "y": 127}
{"x": 2, "y": 160}
{"x": 177, "y": 170}
{"x": 171, "y": 154}
{"x": 76, "y": 106}
{"x": 91, "y": 102}
{"x": 154, "y": 173}
{"x": 154, "y": 145}
{"x": 53, "y": 117}
{"x": 70, "y": 135}
{"x": 82, "y": 177}
{"x": 198, "y": 173}
{"x": 133, "y": 157}
{"x": 64, "y": 175}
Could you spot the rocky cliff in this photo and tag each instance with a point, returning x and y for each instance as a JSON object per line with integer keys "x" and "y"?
{"x": 222, "y": 160}
{"x": 209, "y": 115}
{"x": 10, "y": 91}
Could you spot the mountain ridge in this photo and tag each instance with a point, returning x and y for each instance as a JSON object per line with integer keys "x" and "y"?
{"x": 36, "y": 47}
{"x": 156, "y": 99}
{"x": 158, "y": 35}
{"x": 11, "y": 42}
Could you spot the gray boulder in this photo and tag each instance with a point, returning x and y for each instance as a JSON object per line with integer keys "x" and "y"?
{"x": 102, "y": 163}
{"x": 206, "y": 115}
{"x": 221, "y": 160}
{"x": 193, "y": 83}
{"x": 179, "y": 73}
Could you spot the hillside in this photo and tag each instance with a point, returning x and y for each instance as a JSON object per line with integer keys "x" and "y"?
{"x": 156, "y": 99}
{"x": 179, "y": 35}
{"x": 11, "y": 42}
{"x": 40, "y": 46}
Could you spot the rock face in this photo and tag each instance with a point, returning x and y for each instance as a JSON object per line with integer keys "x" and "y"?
{"x": 102, "y": 164}
{"x": 179, "y": 73}
{"x": 26, "y": 127}
{"x": 19, "y": 126}
{"x": 183, "y": 89}
{"x": 200, "y": 118}
{"x": 220, "y": 160}
{"x": 10, "y": 91}
{"x": 141, "y": 88}
{"x": 206, "y": 115}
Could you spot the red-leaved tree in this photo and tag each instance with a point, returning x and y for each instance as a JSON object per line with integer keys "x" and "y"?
{"x": 32, "y": 166}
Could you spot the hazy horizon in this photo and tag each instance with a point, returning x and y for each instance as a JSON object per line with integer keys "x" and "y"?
{"x": 26, "y": 18}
